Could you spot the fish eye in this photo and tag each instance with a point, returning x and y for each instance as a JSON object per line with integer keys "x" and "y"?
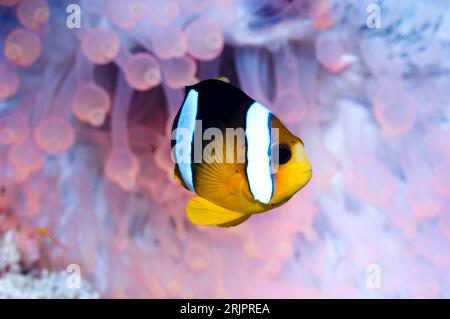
{"x": 284, "y": 153}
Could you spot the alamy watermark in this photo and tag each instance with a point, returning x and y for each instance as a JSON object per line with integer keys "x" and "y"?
{"x": 373, "y": 20}
{"x": 373, "y": 279}
{"x": 73, "y": 20}
{"x": 214, "y": 145}
{"x": 73, "y": 280}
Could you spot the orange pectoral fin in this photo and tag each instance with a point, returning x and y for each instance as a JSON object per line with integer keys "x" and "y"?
{"x": 218, "y": 180}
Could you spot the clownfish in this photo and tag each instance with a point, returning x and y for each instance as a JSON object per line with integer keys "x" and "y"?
{"x": 264, "y": 171}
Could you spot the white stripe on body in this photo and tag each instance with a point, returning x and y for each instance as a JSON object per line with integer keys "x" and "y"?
{"x": 258, "y": 134}
{"x": 186, "y": 121}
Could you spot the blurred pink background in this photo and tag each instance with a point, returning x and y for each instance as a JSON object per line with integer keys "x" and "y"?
{"x": 88, "y": 93}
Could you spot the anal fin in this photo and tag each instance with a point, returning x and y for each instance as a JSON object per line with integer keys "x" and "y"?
{"x": 236, "y": 222}
{"x": 202, "y": 212}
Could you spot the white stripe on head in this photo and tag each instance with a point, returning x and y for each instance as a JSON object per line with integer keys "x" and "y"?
{"x": 186, "y": 121}
{"x": 258, "y": 136}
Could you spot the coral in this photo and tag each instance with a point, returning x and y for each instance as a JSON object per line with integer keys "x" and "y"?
{"x": 9, "y": 255}
{"x": 49, "y": 285}
{"x": 18, "y": 251}
{"x": 85, "y": 120}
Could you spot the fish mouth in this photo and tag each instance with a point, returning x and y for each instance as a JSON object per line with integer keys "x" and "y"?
{"x": 307, "y": 173}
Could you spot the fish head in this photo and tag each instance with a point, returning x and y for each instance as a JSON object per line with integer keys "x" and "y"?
{"x": 290, "y": 165}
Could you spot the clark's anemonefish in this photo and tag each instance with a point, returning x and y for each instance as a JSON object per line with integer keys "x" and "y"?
{"x": 267, "y": 166}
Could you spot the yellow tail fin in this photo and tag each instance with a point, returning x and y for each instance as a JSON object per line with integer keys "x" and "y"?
{"x": 202, "y": 212}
